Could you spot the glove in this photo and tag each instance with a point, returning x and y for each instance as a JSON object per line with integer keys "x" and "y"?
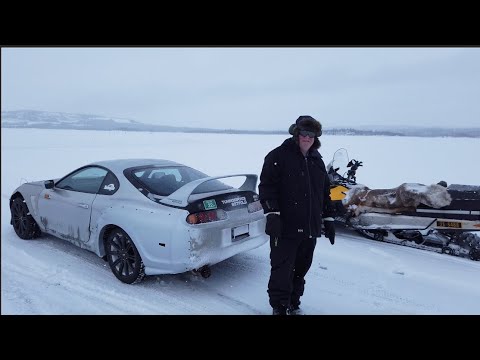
{"x": 329, "y": 225}
{"x": 270, "y": 206}
{"x": 274, "y": 225}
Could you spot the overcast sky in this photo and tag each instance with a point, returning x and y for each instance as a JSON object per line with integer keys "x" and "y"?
{"x": 249, "y": 88}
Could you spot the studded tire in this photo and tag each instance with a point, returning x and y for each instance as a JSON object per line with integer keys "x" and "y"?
{"x": 123, "y": 257}
{"x": 23, "y": 222}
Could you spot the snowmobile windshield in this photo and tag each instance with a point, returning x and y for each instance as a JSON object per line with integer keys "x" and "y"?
{"x": 339, "y": 162}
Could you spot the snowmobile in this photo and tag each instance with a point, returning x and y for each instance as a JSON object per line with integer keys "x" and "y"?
{"x": 438, "y": 217}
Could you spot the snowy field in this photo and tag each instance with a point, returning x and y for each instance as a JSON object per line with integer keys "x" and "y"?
{"x": 355, "y": 276}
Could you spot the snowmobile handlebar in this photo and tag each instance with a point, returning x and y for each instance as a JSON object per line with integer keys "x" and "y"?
{"x": 352, "y": 172}
{"x": 348, "y": 168}
{"x": 354, "y": 164}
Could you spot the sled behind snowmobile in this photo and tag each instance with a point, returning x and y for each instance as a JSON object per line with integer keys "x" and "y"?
{"x": 436, "y": 217}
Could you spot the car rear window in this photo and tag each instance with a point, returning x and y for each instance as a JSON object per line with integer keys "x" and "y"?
{"x": 165, "y": 180}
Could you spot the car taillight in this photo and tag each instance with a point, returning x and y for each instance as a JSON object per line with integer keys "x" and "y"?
{"x": 206, "y": 216}
{"x": 254, "y": 207}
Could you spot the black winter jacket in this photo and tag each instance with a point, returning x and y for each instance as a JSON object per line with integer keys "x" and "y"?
{"x": 298, "y": 187}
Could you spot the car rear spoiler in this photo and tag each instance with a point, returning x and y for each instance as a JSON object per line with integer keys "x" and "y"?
{"x": 180, "y": 197}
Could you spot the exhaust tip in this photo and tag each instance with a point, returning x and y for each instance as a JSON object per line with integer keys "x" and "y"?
{"x": 205, "y": 271}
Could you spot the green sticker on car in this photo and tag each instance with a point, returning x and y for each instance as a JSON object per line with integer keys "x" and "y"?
{"x": 209, "y": 204}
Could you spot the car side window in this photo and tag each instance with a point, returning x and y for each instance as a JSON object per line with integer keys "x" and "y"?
{"x": 87, "y": 180}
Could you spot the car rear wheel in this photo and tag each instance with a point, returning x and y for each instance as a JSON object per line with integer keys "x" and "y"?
{"x": 23, "y": 222}
{"x": 123, "y": 257}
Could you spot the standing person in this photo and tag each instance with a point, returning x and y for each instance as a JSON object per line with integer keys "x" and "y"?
{"x": 295, "y": 195}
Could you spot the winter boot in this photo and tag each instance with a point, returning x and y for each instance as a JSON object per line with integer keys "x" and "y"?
{"x": 295, "y": 310}
{"x": 280, "y": 310}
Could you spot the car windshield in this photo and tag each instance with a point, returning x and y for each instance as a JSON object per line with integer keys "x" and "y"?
{"x": 165, "y": 180}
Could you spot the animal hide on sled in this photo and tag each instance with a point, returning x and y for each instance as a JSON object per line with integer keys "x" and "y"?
{"x": 405, "y": 197}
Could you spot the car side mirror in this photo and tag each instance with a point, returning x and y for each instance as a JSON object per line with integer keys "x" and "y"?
{"x": 49, "y": 184}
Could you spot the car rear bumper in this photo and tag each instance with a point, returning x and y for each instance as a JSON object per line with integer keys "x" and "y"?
{"x": 209, "y": 246}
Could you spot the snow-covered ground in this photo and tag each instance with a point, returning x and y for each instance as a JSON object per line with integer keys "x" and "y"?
{"x": 355, "y": 276}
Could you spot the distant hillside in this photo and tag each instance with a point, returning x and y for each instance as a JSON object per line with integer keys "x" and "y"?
{"x": 57, "y": 120}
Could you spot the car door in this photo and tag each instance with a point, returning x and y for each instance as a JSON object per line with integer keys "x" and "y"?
{"x": 65, "y": 209}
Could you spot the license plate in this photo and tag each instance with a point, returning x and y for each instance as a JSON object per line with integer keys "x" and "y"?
{"x": 239, "y": 232}
{"x": 450, "y": 224}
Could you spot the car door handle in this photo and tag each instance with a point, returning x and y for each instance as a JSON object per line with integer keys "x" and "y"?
{"x": 82, "y": 205}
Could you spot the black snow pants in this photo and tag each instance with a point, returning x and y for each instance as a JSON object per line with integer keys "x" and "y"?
{"x": 290, "y": 260}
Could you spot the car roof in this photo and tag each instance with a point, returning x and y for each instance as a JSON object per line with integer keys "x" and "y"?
{"x": 119, "y": 165}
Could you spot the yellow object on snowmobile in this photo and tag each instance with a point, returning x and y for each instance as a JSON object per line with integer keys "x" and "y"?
{"x": 338, "y": 192}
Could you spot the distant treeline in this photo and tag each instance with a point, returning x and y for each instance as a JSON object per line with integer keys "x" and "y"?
{"x": 351, "y": 131}
{"x": 51, "y": 120}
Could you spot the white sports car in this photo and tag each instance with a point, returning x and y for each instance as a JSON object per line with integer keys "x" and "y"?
{"x": 143, "y": 216}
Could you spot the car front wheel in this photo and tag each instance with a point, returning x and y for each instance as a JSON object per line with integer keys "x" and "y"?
{"x": 123, "y": 257}
{"x": 23, "y": 222}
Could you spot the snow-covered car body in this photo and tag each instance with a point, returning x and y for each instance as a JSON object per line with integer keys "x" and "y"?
{"x": 178, "y": 218}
